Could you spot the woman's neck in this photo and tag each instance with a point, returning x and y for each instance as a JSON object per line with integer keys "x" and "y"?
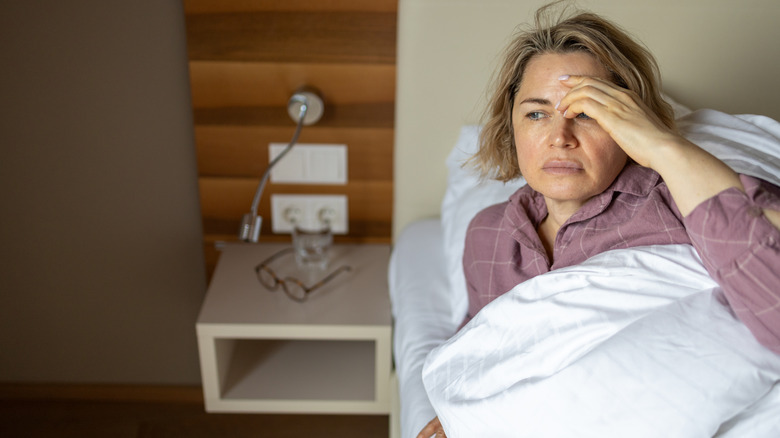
{"x": 557, "y": 214}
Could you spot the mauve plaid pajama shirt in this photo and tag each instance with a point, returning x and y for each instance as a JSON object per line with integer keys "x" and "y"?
{"x": 739, "y": 246}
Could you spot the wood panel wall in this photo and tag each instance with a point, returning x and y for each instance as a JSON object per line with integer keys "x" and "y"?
{"x": 247, "y": 57}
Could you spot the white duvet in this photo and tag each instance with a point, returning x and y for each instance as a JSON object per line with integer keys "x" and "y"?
{"x": 631, "y": 343}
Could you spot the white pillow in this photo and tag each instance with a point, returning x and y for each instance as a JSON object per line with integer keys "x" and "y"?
{"x": 679, "y": 109}
{"x": 465, "y": 196}
{"x": 750, "y": 144}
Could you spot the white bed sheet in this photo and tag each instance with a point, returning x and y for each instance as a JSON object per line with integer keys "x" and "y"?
{"x": 634, "y": 342}
{"x": 419, "y": 292}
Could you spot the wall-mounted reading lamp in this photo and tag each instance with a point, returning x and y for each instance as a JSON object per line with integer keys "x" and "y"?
{"x": 305, "y": 108}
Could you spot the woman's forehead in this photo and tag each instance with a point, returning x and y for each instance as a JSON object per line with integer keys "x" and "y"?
{"x": 545, "y": 69}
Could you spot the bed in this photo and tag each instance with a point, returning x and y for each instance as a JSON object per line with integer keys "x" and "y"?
{"x": 447, "y": 50}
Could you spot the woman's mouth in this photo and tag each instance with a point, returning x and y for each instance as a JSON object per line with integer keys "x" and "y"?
{"x": 562, "y": 167}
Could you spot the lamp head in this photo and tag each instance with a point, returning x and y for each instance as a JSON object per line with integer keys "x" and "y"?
{"x": 250, "y": 228}
{"x": 313, "y": 106}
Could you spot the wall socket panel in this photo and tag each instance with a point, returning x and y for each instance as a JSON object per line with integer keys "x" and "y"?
{"x": 306, "y": 211}
{"x": 309, "y": 164}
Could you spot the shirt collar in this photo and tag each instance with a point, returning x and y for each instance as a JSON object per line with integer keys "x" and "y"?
{"x": 633, "y": 179}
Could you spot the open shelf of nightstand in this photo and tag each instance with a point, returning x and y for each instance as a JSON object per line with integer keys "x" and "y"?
{"x": 259, "y": 368}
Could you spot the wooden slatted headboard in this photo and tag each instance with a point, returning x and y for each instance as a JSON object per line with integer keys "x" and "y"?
{"x": 246, "y": 60}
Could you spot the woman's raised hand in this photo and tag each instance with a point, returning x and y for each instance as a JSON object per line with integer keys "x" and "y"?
{"x": 620, "y": 112}
{"x": 691, "y": 173}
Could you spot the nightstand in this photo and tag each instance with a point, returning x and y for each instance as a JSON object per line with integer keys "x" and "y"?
{"x": 260, "y": 351}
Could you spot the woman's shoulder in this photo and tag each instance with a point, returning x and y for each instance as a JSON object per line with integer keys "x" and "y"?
{"x": 490, "y": 215}
{"x": 493, "y": 215}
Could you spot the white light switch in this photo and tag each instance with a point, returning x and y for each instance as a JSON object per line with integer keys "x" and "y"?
{"x": 310, "y": 164}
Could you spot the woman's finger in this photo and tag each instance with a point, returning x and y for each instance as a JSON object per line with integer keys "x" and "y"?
{"x": 594, "y": 96}
{"x": 432, "y": 428}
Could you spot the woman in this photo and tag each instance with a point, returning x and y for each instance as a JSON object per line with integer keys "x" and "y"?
{"x": 577, "y": 111}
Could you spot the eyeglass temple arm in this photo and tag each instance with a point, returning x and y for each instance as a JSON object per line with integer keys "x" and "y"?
{"x": 322, "y": 282}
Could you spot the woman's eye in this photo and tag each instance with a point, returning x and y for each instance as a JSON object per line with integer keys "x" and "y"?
{"x": 535, "y": 115}
{"x": 583, "y": 116}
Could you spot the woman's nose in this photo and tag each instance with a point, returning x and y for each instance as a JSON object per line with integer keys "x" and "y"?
{"x": 562, "y": 133}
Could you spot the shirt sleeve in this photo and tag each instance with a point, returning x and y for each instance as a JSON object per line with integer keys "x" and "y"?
{"x": 470, "y": 270}
{"x": 485, "y": 243}
{"x": 469, "y": 273}
{"x": 741, "y": 250}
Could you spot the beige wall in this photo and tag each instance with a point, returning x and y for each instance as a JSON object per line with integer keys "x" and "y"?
{"x": 719, "y": 54}
{"x": 101, "y": 264}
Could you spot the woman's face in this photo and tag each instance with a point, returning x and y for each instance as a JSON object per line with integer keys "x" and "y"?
{"x": 566, "y": 160}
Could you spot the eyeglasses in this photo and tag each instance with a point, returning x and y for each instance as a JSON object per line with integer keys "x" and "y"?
{"x": 294, "y": 288}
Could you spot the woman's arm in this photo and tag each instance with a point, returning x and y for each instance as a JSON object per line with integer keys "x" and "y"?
{"x": 740, "y": 248}
{"x": 736, "y": 233}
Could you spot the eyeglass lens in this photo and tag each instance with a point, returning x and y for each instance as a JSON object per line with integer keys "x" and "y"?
{"x": 267, "y": 278}
{"x": 294, "y": 289}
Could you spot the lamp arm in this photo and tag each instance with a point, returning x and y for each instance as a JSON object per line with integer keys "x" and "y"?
{"x": 267, "y": 174}
{"x": 305, "y": 107}
{"x": 251, "y": 222}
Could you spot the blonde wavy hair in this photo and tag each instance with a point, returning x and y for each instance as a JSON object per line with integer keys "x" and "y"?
{"x": 631, "y": 66}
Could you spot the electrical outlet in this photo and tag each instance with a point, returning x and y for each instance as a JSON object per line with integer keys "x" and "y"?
{"x": 309, "y": 211}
